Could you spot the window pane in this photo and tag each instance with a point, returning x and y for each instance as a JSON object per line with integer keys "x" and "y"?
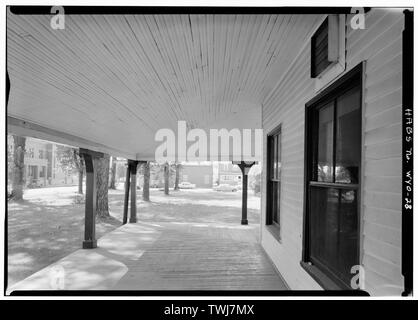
{"x": 348, "y": 144}
{"x": 273, "y": 186}
{"x": 276, "y": 200}
{"x": 271, "y": 157}
{"x": 271, "y": 152}
{"x": 274, "y": 157}
{"x": 279, "y": 155}
{"x": 325, "y": 143}
{"x": 334, "y": 238}
{"x": 348, "y": 235}
{"x": 324, "y": 225}
{"x": 272, "y": 201}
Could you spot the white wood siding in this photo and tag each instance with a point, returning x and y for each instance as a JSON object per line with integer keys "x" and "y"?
{"x": 380, "y": 45}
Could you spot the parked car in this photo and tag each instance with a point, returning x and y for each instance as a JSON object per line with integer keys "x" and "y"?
{"x": 186, "y": 185}
{"x": 226, "y": 187}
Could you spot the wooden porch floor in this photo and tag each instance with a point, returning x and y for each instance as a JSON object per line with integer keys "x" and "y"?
{"x": 165, "y": 256}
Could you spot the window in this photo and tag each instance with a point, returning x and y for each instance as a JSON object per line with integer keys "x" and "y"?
{"x": 273, "y": 178}
{"x": 42, "y": 172}
{"x": 41, "y": 154}
{"x": 333, "y": 160}
{"x": 31, "y": 153}
{"x": 185, "y": 177}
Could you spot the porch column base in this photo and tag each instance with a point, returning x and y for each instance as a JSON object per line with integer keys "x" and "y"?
{"x": 244, "y": 221}
{"x": 89, "y": 244}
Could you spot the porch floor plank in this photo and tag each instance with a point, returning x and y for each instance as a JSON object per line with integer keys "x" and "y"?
{"x": 164, "y": 256}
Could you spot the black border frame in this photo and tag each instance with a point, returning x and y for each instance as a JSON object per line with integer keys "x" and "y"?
{"x": 407, "y": 145}
{"x": 407, "y": 91}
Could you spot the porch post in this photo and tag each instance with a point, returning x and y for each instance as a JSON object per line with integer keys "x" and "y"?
{"x": 90, "y": 241}
{"x": 245, "y": 168}
{"x": 127, "y": 187}
{"x": 244, "y": 198}
{"x": 133, "y": 167}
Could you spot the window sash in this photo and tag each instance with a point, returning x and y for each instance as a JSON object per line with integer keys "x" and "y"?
{"x": 273, "y": 178}
{"x": 349, "y": 248}
{"x": 314, "y": 134}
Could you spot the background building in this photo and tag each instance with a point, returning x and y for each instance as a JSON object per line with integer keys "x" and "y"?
{"x": 229, "y": 173}
{"x": 42, "y": 167}
{"x": 199, "y": 174}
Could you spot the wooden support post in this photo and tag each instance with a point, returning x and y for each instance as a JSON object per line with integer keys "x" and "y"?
{"x": 90, "y": 241}
{"x": 133, "y": 166}
{"x": 127, "y": 187}
{"x": 245, "y": 168}
{"x": 166, "y": 178}
{"x": 244, "y": 219}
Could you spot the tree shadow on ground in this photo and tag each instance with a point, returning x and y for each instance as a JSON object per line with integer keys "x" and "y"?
{"x": 39, "y": 235}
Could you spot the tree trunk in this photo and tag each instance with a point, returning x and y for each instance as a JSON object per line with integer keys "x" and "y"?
{"x": 18, "y": 168}
{"x": 102, "y": 186}
{"x": 166, "y": 178}
{"x": 80, "y": 180}
{"x": 176, "y": 182}
{"x": 113, "y": 174}
{"x": 147, "y": 174}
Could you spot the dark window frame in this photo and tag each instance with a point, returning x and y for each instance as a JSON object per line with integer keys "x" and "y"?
{"x": 273, "y": 226}
{"x": 341, "y": 85}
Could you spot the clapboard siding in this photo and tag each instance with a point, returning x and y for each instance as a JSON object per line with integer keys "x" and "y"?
{"x": 383, "y": 102}
{"x": 384, "y": 217}
{"x": 382, "y": 184}
{"x": 380, "y": 46}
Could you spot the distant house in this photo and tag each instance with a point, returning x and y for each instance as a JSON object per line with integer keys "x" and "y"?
{"x": 200, "y": 174}
{"x": 41, "y": 167}
{"x": 229, "y": 173}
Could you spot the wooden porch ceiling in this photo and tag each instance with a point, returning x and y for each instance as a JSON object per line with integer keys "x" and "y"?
{"x": 114, "y": 80}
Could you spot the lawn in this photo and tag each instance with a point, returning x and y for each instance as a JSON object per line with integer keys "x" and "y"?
{"x": 49, "y": 223}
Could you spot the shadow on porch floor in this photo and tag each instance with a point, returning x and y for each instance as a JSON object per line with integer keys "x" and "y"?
{"x": 164, "y": 256}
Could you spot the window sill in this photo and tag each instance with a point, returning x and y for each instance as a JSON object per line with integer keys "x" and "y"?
{"x": 274, "y": 231}
{"x": 328, "y": 75}
{"x": 323, "y": 280}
